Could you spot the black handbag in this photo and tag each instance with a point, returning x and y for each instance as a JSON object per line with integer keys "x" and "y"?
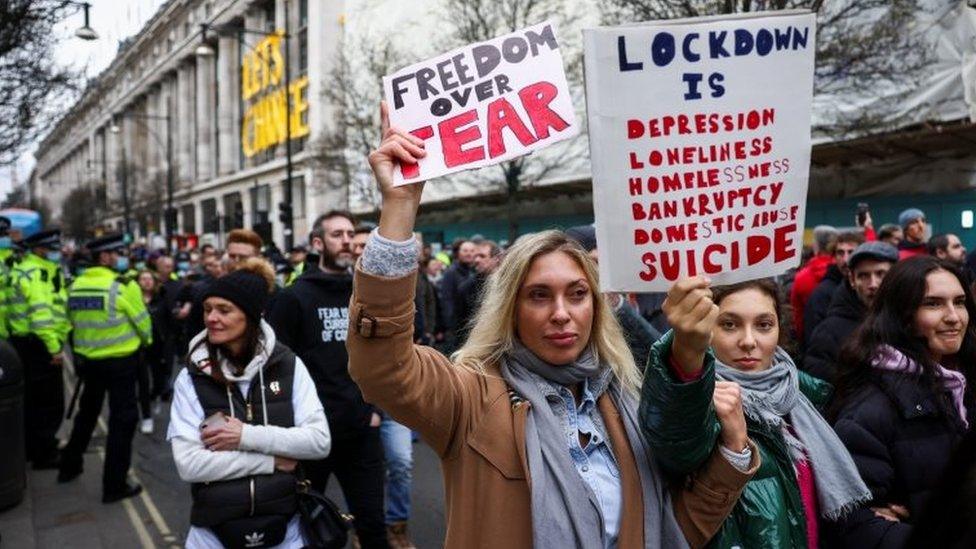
{"x": 324, "y": 526}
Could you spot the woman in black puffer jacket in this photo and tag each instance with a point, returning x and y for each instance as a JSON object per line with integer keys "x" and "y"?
{"x": 903, "y": 402}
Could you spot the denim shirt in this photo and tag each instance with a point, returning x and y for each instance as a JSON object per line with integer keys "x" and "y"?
{"x": 594, "y": 463}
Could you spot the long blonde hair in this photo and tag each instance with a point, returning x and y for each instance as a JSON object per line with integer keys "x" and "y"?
{"x": 493, "y": 328}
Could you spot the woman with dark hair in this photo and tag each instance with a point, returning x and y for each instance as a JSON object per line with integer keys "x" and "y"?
{"x": 149, "y": 288}
{"x": 727, "y": 346}
{"x": 902, "y": 401}
{"x": 244, "y": 412}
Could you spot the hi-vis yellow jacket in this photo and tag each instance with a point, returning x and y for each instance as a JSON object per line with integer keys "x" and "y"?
{"x": 108, "y": 315}
{"x": 36, "y": 302}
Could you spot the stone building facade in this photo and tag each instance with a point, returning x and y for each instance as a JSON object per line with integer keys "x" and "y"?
{"x": 194, "y": 109}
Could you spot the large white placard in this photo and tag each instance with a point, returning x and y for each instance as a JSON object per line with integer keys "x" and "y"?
{"x": 700, "y": 145}
{"x": 484, "y": 103}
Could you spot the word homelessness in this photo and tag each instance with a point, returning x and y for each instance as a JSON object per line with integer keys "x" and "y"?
{"x": 700, "y": 123}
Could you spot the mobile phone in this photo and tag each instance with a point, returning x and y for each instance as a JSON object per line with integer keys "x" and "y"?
{"x": 862, "y": 213}
{"x": 215, "y": 419}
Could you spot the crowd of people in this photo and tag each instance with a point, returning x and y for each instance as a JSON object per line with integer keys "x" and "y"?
{"x": 828, "y": 408}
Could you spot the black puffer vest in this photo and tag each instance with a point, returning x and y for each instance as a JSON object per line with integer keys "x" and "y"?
{"x": 258, "y": 504}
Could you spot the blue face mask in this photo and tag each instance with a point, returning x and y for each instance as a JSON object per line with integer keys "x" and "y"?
{"x": 183, "y": 266}
{"x": 54, "y": 257}
{"x": 122, "y": 264}
{"x": 5, "y": 242}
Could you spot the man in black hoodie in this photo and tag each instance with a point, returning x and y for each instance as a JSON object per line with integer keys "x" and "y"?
{"x": 867, "y": 267}
{"x": 311, "y": 317}
{"x": 818, "y": 304}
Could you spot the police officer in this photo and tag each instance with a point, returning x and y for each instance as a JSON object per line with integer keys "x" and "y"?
{"x": 110, "y": 325}
{"x": 6, "y": 263}
{"x": 38, "y": 330}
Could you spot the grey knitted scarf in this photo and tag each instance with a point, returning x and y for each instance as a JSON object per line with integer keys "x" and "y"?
{"x": 565, "y": 511}
{"x": 772, "y": 397}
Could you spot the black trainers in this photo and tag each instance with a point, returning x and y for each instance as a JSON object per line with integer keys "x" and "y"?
{"x": 129, "y": 491}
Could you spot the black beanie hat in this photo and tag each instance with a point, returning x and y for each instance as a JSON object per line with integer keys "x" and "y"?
{"x": 247, "y": 290}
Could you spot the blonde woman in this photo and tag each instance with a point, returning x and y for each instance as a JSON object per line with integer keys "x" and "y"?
{"x": 535, "y": 418}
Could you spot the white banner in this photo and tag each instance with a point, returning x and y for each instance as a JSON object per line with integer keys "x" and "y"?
{"x": 484, "y": 103}
{"x": 700, "y": 146}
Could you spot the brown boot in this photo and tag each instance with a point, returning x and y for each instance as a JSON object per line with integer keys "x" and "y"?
{"x": 397, "y": 536}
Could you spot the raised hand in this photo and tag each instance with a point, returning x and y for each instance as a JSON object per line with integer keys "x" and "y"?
{"x": 727, "y": 399}
{"x": 399, "y": 209}
{"x": 691, "y": 312}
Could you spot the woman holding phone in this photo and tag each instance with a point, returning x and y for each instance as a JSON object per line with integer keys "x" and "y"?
{"x": 244, "y": 412}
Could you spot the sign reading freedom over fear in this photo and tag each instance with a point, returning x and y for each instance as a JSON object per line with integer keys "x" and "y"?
{"x": 483, "y": 104}
{"x": 700, "y": 145}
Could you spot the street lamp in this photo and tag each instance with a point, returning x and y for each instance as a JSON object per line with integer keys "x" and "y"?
{"x": 205, "y": 50}
{"x": 85, "y": 32}
{"x": 125, "y": 184}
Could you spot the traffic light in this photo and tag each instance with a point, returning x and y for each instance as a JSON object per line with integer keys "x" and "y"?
{"x": 284, "y": 213}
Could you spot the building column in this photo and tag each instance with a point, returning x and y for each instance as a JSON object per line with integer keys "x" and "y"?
{"x": 184, "y": 123}
{"x": 228, "y": 101}
{"x": 205, "y": 89}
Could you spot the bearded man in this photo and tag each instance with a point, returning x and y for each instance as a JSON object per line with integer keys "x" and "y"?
{"x": 311, "y": 317}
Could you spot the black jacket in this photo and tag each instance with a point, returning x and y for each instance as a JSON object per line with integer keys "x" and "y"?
{"x": 449, "y": 292}
{"x": 844, "y": 315}
{"x": 901, "y": 442}
{"x": 816, "y": 308}
{"x": 311, "y": 317}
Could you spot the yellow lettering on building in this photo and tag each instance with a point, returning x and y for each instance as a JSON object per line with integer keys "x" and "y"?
{"x": 263, "y": 67}
{"x": 263, "y": 125}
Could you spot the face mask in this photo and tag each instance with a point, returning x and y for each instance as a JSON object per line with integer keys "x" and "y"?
{"x": 140, "y": 265}
{"x": 54, "y": 257}
{"x": 122, "y": 264}
{"x": 5, "y": 242}
{"x": 183, "y": 266}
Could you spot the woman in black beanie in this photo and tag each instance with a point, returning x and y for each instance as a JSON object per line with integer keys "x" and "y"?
{"x": 244, "y": 412}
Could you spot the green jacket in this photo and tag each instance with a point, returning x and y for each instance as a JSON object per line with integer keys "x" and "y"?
{"x": 769, "y": 513}
{"x": 108, "y": 315}
{"x": 37, "y": 302}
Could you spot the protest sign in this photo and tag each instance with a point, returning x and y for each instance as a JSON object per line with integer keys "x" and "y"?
{"x": 700, "y": 147}
{"x": 484, "y": 103}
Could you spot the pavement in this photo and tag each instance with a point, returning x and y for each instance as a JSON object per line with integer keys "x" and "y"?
{"x": 67, "y": 516}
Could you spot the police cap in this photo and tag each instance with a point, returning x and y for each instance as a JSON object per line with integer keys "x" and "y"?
{"x": 108, "y": 243}
{"x": 44, "y": 239}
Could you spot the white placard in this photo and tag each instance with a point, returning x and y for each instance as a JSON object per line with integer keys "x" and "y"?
{"x": 484, "y": 103}
{"x": 700, "y": 146}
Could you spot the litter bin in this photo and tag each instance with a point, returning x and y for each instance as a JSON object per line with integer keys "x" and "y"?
{"x": 13, "y": 476}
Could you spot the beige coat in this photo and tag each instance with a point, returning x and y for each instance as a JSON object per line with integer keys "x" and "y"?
{"x": 469, "y": 420}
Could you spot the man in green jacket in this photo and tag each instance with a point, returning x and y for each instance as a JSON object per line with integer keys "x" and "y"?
{"x": 110, "y": 325}
{"x": 38, "y": 330}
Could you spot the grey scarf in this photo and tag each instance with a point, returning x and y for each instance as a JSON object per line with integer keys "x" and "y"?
{"x": 768, "y": 397}
{"x": 565, "y": 511}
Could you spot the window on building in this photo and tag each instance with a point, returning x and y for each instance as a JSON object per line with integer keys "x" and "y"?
{"x": 260, "y": 211}
{"x": 233, "y": 211}
{"x": 211, "y": 220}
{"x": 302, "y": 13}
{"x": 189, "y": 215}
{"x": 269, "y": 16}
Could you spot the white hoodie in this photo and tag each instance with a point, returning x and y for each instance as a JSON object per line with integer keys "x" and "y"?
{"x": 309, "y": 439}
